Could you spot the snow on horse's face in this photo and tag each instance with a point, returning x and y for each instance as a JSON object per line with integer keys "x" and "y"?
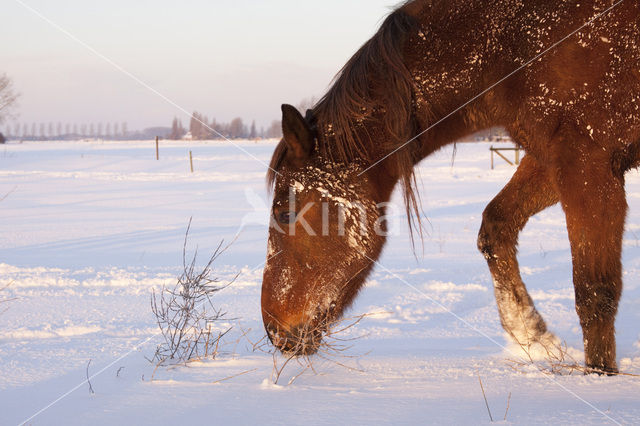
{"x": 325, "y": 233}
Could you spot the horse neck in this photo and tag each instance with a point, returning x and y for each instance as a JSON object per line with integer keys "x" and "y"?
{"x": 384, "y": 168}
{"x": 434, "y": 137}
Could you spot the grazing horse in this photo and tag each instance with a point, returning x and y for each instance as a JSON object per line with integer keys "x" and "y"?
{"x": 562, "y": 77}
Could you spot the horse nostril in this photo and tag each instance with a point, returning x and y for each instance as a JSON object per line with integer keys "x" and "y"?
{"x": 299, "y": 340}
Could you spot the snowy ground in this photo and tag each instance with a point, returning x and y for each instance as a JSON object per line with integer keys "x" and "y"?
{"x": 89, "y": 228}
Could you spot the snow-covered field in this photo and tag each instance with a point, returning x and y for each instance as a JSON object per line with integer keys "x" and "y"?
{"x": 89, "y": 228}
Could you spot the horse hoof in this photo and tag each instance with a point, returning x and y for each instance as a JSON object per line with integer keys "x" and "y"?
{"x": 602, "y": 371}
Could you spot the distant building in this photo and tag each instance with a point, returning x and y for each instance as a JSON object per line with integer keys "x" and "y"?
{"x": 495, "y": 134}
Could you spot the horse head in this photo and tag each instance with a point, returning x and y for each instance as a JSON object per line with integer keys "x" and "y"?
{"x": 327, "y": 227}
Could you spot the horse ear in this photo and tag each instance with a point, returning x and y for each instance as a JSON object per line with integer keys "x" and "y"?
{"x": 296, "y": 132}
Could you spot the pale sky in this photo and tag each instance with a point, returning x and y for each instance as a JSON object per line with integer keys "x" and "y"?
{"x": 220, "y": 57}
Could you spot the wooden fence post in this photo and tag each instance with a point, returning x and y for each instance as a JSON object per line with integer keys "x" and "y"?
{"x": 157, "y": 149}
{"x": 498, "y": 152}
{"x": 191, "y": 160}
{"x": 491, "y": 149}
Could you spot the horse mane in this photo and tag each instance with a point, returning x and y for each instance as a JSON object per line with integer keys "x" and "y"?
{"x": 374, "y": 82}
{"x": 374, "y": 87}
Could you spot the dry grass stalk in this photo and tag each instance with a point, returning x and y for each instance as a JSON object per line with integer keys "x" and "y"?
{"x": 4, "y": 197}
{"x": 186, "y": 314}
{"x": 508, "y": 405}
{"x": 333, "y": 348}
{"x": 3, "y": 300}
{"x": 484, "y": 395}
{"x": 91, "y": 391}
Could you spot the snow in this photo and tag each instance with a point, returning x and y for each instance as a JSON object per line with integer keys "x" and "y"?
{"x": 89, "y": 228}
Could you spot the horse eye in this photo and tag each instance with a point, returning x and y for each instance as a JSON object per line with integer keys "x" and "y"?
{"x": 286, "y": 217}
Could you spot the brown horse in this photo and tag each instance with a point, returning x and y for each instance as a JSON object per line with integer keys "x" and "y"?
{"x": 563, "y": 77}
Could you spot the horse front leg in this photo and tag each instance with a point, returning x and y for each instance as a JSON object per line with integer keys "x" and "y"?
{"x": 529, "y": 192}
{"x": 593, "y": 198}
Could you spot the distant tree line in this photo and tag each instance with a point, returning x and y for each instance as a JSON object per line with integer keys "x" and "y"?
{"x": 8, "y": 99}
{"x": 200, "y": 128}
{"x": 59, "y": 131}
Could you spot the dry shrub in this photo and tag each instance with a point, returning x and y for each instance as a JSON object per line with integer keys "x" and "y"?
{"x": 333, "y": 348}
{"x": 186, "y": 314}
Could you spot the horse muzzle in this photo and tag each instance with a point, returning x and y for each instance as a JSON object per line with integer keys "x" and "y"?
{"x": 299, "y": 340}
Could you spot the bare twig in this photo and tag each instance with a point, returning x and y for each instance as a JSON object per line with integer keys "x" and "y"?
{"x": 331, "y": 348}
{"x": 308, "y": 365}
{"x": 234, "y": 376}
{"x": 118, "y": 372}
{"x": 158, "y": 364}
{"x": 259, "y": 345}
{"x": 242, "y": 336}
